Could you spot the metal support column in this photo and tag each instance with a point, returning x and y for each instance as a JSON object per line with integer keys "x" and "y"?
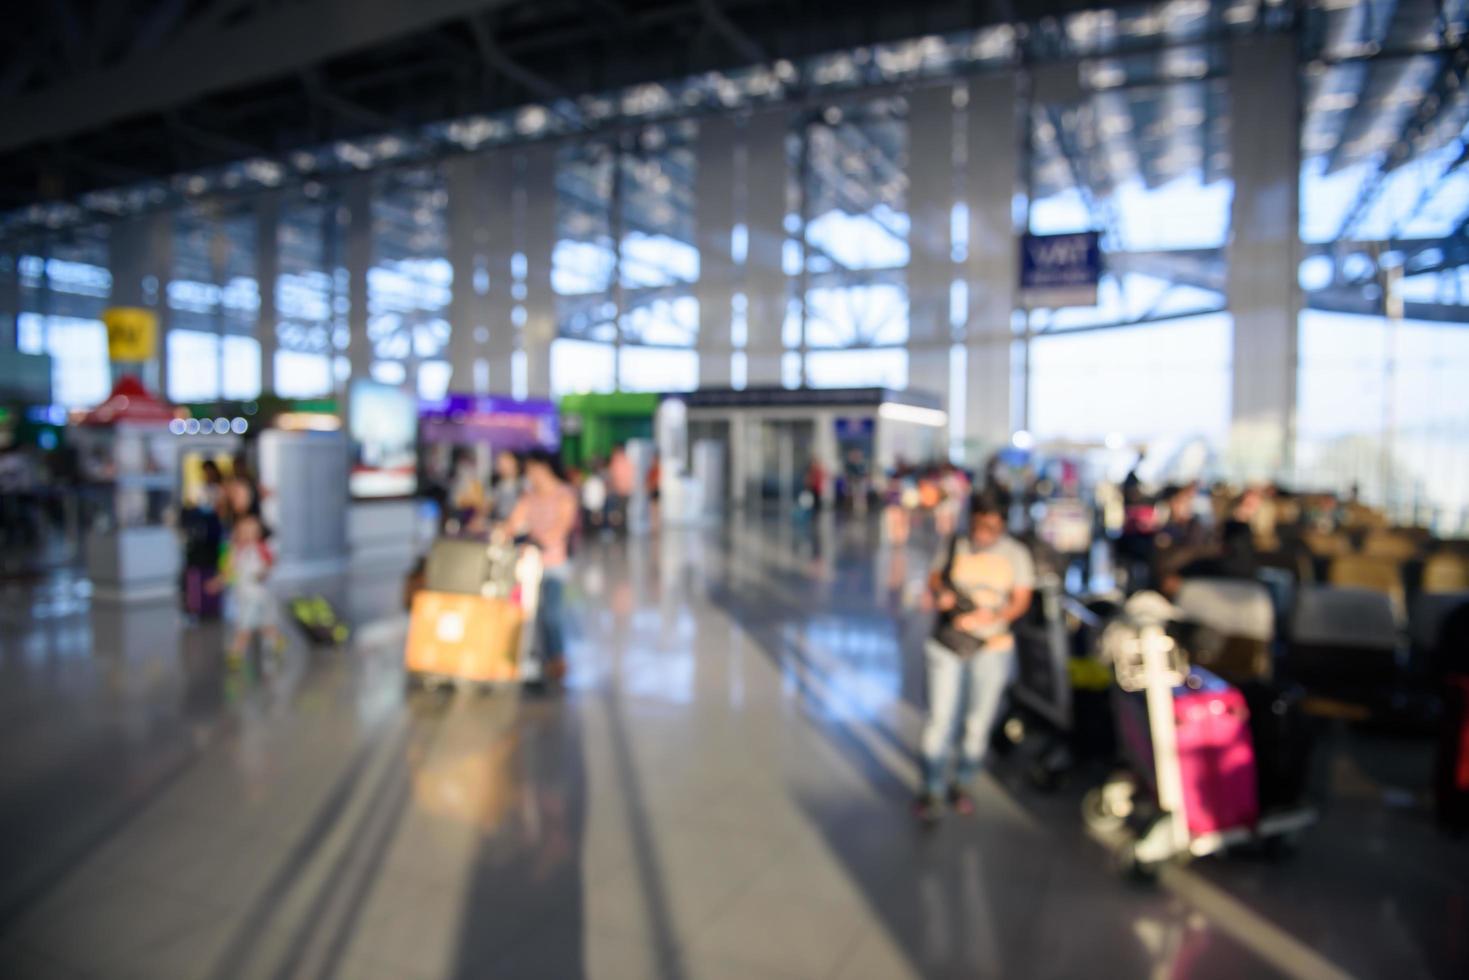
{"x": 766, "y": 176}
{"x": 1262, "y": 287}
{"x": 267, "y": 272}
{"x": 931, "y": 268}
{"x": 714, "y": 220}
{"x": 990, "y": 181}
{"x": 539, "y": 234}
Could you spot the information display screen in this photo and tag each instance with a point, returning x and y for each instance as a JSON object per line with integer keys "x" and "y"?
{"x": 384, "y": 431}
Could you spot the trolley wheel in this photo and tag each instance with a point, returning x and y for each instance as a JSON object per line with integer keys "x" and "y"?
{"x": 1129, "y": 865}
{"x": 1099, "y": 812}
{"x": 1283, "y": 846}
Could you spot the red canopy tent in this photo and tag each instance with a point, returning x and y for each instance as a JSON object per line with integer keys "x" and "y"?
{"x": 129, "y": 404}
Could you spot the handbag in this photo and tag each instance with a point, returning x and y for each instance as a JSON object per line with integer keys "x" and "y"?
{"x": 945, "y": 629}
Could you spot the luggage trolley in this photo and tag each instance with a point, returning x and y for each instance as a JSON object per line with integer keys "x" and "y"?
{"x": 479, "y": 631}
{"x": 1192, "y": 787}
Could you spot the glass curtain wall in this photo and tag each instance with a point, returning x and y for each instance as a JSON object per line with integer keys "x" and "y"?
{"x": 310, "y": 295}
{"x": 214, "y": 302}
{"x": 1139, "y": 153}
{"x": 851, "y": 248}
{"x": 409, "y": 284}
{"x": 625, "y": 263}
{"x": 63, "y": 287}
{"x": 1384, "y": 350}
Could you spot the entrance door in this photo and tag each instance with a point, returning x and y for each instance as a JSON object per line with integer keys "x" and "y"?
{"x": 715, "y": 430}
{"x": 786, "y": 446}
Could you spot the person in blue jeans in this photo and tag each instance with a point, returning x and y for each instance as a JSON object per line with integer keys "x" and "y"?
{"x": 981, "y": 582}
{"x": 547, "y": 513}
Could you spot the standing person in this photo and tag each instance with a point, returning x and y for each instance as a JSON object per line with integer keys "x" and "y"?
{"x": 981, "y": 583}
{"x": 506, "y": 484}
{"x": 954, "y": 488}
{"x": 894, "y": 514}
{"x": 620, "y": 486}
{"x": 248, "y": 569}
{"x": 815, "y": 482}
{"x": 467, "y": 506}
{"x": 242, "y": 490}
{"x": 203, "y": 537}
{"x": 546, "y": 513}
{"x": 594, "y": 495}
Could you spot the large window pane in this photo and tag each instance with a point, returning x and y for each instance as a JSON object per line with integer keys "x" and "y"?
{"x": 579, "y": 366}
{"x": 1165, "y": 384}
{"x": 881, "y": 368}
{"x": 855, "y": 241}
{"x": 659, "y": 369}
{"x": 80, "y": 377}
{"x": 409, "y": 285}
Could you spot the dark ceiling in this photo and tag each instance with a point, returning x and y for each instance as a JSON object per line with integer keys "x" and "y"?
{"x": 103, "y": 93}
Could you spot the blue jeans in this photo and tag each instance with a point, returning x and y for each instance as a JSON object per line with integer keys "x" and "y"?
{"x": 967, "y": 688}
{"x": 550, "y": 644}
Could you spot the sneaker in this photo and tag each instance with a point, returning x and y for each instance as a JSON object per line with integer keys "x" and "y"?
{"x": 926, "y": 808}
{"x": 961, "y": 801}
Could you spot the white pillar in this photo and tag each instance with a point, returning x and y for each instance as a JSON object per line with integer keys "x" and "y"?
{"x": 357, "y": 258}
{"x": 464, "y": 197}
{"x": 498, "y": 235}
{"x": 267, "y": 271}
{"x": 9, "y": 294}
{"x": 766, "y": 175}
{"x": 1263, "y": 253}
{"x": 539, "y": 235}
{"x": 992, "y": 159}
{"x": 713, "y": 222}
{"x": 930, "y": 242}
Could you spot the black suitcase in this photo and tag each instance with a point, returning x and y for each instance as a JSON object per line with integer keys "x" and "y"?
{"x": 460, "y": 566}
{"x": 1284, "y": 739}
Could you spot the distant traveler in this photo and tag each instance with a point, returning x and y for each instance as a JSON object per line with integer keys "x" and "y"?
{"x": 467, "y": 492}
{"x": 546, "y": 513}
{"x": 506, "y": 486}
{"x": 981, "y": 584}
{"x": 242, "y": 491}
{"x": 594, "y": 495}
{"x": 621, "y": 481}
{"x": 248, "y": 569}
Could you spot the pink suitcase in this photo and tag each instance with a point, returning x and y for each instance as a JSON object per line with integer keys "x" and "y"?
{"x": 1216, "y": 756}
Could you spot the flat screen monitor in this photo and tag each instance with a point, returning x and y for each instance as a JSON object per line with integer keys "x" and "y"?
{"x": 384, "y": 431}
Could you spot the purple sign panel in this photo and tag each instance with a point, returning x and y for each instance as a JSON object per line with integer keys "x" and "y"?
{"x": 493, "y": 420}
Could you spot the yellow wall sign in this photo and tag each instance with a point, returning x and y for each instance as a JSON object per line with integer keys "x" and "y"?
{"x": 132, "y": 333}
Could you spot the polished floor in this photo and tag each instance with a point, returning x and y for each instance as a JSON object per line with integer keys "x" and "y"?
{"x": 720, "y": 793}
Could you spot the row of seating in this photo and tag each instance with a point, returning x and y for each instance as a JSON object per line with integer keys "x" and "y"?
{"x": 1339, "y": 640}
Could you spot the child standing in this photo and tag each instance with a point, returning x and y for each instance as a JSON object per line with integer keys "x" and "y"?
{"x": 248, "y": 568}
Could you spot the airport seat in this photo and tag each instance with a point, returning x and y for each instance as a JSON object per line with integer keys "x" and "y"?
{"x": 1344, "y": 641}
{"x": 1446, "y": 571}
{"x": 1326, "y": 544}
{"x": 1242, "y": 615}
{"x": 1383, "y": 575}
{"x": 1395, "y": 545}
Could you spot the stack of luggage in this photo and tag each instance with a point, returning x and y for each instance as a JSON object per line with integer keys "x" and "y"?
{"x": 470, "y": 620}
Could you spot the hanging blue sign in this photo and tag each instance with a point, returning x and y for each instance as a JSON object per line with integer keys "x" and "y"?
{"x": 1060, "y": 270}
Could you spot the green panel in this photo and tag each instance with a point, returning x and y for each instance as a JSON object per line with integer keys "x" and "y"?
{"x": 596, "y": 423}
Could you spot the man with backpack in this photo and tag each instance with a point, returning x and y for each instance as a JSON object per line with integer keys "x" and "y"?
{"x": 981, "y": 583}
